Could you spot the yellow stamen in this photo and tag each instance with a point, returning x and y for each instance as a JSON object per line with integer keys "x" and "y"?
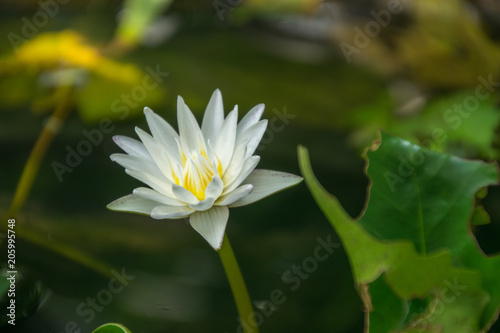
{"x": 197, "y": 173}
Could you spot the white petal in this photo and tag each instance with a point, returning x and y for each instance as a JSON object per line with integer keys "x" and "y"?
{"x": 163, "y": 133}
{"x": 134, "y": 163}
{"x": 265, "y": 183}
{"x": 161, "y": 185}
{"x": 254, "y": 134}
{"x": 133, "y": 204}
{"x": 248, "y": 166}
{"x": 184, "y": 195}
{"x": 235, "y": 195}
{"x": 158, "y": 153}
{"x": 211, "y": 224}
{"x": 214, "y": 188}
{"x": 212, "y": 192}
{"x": 211, "y": 156}
{"x": 132, "y": 146}
{"x": 171, "y": 212}
{"x": 189, "y": 130}
{"x": 235, "y": 165}
{"x": 226, "y": 139}
{"x": 150, "y": 194}
{"x": 203, "y": 205}
{"x": 252, "y": 117}
{"x": 213, "y": 117}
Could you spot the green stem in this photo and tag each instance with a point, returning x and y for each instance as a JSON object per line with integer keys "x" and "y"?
{"x": 65, "y": 251}
{"x": 238, "y": 287}
{"x": 42, "y": 144}
{"x": 25, "y": 183}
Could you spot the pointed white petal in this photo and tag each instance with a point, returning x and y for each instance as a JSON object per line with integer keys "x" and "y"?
{"x": 235, "y": 195}
{"x": 163, "y": 133}
{"x": 177, "y": 167}
{"x": 252, "y": 117}
{"x": 254, "y": 134}
{"x": 171, "y": 212}
{"x": 248, "y": 166}
{"x": 203, "y": 205}
{"x": 212, "y": 192}
{"x": 213, "y": 117}
{"x": 158, "y": 153}
{"x": 234, "y": 168}
{"x": 265, "y": 183}
{"x": 214, "y": 188}
{"x": 211, "y": 224}
{"x": 146, "y": 171}
{"x": 226, "y": 139}
{"x": 133, "y": 204}
{"x": 132, "y": 146}
{"x": 150, "y": 194}
{"x": 184, "y": 195}
{"x": 189, "y": 130}
{"x": 135, "y": 163}
{"x": 161, "y": 185}
{"x": 211, "y": 155}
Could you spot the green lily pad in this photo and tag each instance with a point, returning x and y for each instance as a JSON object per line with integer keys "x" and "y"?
{"x": 111, "y": 328}
{"x": 415, "y": 262}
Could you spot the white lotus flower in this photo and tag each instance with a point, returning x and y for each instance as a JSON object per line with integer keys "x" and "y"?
{"x": 198, "y": 173}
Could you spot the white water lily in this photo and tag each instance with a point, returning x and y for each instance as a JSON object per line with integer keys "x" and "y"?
{"x": 199, "y": 172}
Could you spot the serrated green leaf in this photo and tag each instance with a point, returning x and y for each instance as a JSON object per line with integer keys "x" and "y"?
{"x": 111, "y": 328}
{"x": 418, "y": 200}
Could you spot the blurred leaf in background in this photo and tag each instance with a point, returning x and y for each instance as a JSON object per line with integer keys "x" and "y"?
{"x": 462, "y": 123}
{"x": 137, "y": 17}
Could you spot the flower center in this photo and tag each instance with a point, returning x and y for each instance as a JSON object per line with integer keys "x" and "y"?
{"x": 197, "y": 173}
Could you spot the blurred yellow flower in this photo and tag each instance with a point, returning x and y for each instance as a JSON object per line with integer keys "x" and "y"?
{"x": 52, "y": 61}
{"x": 68, "y": 49}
